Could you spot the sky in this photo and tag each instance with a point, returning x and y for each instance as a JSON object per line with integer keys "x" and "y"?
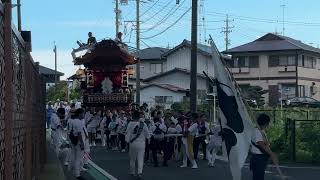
{"x": 163, "y": 23}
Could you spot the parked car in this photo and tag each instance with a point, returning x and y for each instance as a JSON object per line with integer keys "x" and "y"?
{"x": 303, "y": 102}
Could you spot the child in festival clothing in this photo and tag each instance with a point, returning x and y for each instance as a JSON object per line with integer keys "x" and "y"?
{"x": 169, "y": 143}
{"x": 214, "y": 144}
{"x": 113, "y": 126}
{"x": 122, "y": 127}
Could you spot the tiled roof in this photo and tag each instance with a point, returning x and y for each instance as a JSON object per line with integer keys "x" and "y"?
{"x": 166, "y": 86}
{"x": 203, "y": 49}
{"x": 172, "y": 71}
{"x": 48, "y": 71}
{"x": 273, "y": 42}
{"x": 151, "y": 53}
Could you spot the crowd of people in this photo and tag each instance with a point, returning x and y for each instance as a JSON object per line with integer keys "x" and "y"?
{"x": 139, "y": 130}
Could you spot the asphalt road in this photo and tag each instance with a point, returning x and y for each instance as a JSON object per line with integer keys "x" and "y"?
{"x": 117, "y": 163}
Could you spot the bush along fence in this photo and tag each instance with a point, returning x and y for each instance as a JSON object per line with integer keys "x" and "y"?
{"x": 22, "y": 105}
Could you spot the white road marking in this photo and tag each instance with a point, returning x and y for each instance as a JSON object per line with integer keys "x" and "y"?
{"x": 101, "y": 170}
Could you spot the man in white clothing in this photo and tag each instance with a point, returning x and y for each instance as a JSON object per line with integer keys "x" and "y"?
{"x": 56, "y": 132}
{"x": 77, "y": 137}
{"x": 136, "y": 135}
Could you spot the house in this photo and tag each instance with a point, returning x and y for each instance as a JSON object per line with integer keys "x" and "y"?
{"x": 180, "y": 57}
{"x": 173, "y": 69}
{"x": 179, "y": 78}
{"x": 284, "y": 66}
{"x": 151, "y": 60}
{"x": 49, "y": 75}
{"x": 166, "y": 94}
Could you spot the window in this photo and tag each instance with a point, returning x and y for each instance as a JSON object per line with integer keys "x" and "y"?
{"x": 241, "y": 61}
{"x": 308, "y": 62}
{"x": 273, "y": 61}
{"x": 156, "y": 68}
{"x": 253, "y": 61}
{"x": 163, "y": 99}
{"x": 282, "y": 61}
{"x": 302, "y": 90}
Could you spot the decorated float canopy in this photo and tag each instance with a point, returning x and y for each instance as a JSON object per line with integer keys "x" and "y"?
{"x": 107, "y": 55}
{"x": 105, "y": 77}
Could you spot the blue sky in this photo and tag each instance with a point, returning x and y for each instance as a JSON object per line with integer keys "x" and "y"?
{"x": 66, "y": 21}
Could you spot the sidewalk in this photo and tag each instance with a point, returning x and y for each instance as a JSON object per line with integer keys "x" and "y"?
{"x": 53, "y": 169}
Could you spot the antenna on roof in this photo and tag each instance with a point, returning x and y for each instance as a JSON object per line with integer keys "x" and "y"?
{"x": 283, "y": 6}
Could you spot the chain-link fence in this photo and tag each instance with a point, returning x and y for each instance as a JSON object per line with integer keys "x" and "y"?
{"x": 22, "y": 106}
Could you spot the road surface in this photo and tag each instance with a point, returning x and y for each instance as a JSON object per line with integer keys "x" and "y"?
{"x": 116, "y": 164}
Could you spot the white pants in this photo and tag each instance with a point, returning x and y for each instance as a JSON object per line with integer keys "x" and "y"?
{"x": 136, "y": 153}
{"x": 56, "y": 140}
{"x": 76, "y": 159}
{"x": 211, "y": 155}
{"x": 186, "y": 154}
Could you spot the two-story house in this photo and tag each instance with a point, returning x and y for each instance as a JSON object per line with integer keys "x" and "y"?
{"x": 172, "y": 84}
{"x": 284, "y": 66}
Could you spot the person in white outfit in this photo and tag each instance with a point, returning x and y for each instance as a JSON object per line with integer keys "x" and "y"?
{"x": 136, "y": 135}
{"x": 92, "y": 126}
{"x": 214, "y": 144}
{"x": 122, "y": 131}
{"x": 77, "y": 137}
{"x": 113, "y": 127}
{"x": 187, "y": 141}
{"x": 56, "y": 132}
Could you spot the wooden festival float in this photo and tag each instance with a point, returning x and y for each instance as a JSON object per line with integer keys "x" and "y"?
{"x": 105, "y": 76}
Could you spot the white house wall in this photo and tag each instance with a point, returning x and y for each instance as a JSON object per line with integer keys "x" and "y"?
{"x": 182, "y": 57}
{"x": 147, "y": 95}
{"x": 179, "y": 79}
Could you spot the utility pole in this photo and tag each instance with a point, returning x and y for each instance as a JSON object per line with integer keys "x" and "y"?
{"x": 19, "y": 15}
{"x": 227, "y": 30}
{"x": 138, "y": 51}
{"x": 117, "y": 11}
{"x": 55, "y": 66}
{"x": 193, "y": 74}
{"x": 283, "y": 6}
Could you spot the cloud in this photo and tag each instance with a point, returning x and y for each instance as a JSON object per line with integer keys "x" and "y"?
{"x": 64, "y": 60}
{"x": 87, "y": 24}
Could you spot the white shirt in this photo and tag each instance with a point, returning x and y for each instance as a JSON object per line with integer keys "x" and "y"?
{"x": 257, "y": 137}
{"x": 161, "y": 126}
{"x": 194, "y": 129}
{"x": 130, "y": 133}
{"x": 94, "y": 122}
{"x": 55, "y": 121}
{"x": 77, "y": 126}
{"x": 112, "y": 127}
{"x": 179, "y": 128}
{"x": 172, "y": 130}
{"x": 122, "y": 125}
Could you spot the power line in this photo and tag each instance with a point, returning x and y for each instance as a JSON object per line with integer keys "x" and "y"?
{"x": 263, "y": 20}
{"x": 168, "y": 26}
{"x": 160, "y": 10}
{"x": 166, "y": 17}
{"x": 149, "y": 8}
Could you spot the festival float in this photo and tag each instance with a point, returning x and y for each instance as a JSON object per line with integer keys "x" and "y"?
{"x": 104, "y": 79}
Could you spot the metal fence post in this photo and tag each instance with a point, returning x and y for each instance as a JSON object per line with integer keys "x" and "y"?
{"x": 293, "y": 140}
{"x": 8, "y": 59}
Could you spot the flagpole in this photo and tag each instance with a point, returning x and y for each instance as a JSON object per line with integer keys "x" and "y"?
{"x": 55, "y": 66}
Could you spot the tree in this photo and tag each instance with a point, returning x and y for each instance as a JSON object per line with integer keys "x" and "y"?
{"x": 253, "y": 95}
{"x": 58, "y": 91}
